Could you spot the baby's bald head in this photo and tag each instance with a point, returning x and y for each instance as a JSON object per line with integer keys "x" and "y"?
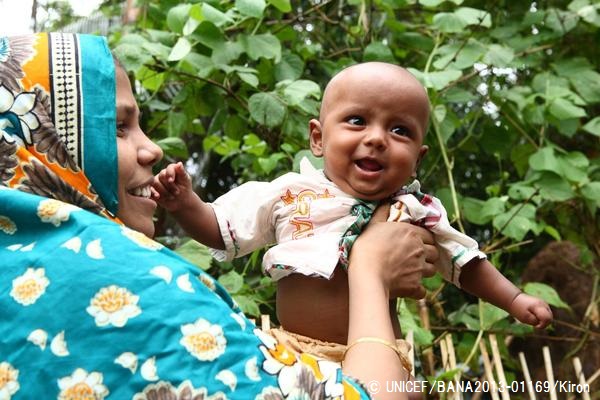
{"x": 377, "y": 73}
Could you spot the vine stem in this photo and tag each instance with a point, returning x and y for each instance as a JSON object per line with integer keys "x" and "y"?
{"x": 447, "y": 163}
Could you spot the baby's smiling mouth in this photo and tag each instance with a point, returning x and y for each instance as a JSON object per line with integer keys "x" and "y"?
{"x": 368, "y": 164}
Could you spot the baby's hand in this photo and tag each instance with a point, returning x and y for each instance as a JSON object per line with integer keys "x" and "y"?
{"x": 171, "y": 187}
{"x": 531, "y": 310}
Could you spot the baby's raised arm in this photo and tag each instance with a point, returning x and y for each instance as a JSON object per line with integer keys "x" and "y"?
{"x": 482, "y": 279}
{"x": 172, "y": 190}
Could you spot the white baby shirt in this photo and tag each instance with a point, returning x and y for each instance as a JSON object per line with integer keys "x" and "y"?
{"x": 306, "y": 215}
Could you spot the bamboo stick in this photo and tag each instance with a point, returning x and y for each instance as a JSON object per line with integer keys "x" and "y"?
{"x": 410, "y": 338}
{"x": 429, "y": 363}
{"x": 452, "y": 358}
{"x": 580, "y": 377}
{"x": 499, "y": 368}
{"x": 265, "y": 323}
{"x": 549, "y": 372}
{"x": 527, "y": 376}
{"x": 487, "y": 367}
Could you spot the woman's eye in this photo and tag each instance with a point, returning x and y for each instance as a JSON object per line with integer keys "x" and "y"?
{"x": 120, "y": 129}
{"x": 356, "y": 121}
{"x": 401, "y": 130}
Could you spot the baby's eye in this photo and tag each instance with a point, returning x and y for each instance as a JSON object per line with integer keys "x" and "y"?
{"x": 401, "y": 130}
{"x": 354, "y": 120}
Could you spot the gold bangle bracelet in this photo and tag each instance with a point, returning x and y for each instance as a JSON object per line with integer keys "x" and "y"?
{"x": 372, "y": 339}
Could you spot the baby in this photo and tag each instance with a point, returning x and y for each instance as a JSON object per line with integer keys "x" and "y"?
{"x": 370, "y": 133}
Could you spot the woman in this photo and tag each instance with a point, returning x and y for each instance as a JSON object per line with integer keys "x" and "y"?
{"x": 91, "y": 308}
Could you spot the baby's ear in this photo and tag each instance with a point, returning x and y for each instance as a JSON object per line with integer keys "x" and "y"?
{"x": 315, "y": 137}
{"x": 424, "y": 149}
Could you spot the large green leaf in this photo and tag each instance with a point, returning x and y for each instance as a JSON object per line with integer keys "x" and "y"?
{"x": 290, "y": 67}
{"x": 564, "y": 109}
{"x": 267, "y": 109}
{"x": 297, "y": 91}
{"x": 554, "y": 188}
{"x": 178, "y": 16}
{"x": 232, "y": 281}
{"x": 174, "y": 147}
{"x": 593, "y": 126}
{"x": 196, "y": 253}
{"x": 544, "y": 160}
{"x": 282, "y": 5}
{"x": 181, "y": 49}
{"x": 546, "y": 293}
{"x": 591, "y": 191}
{"x": 498, "y": 55}
{"x": 201, "y": 65}
{"x": 436, "y": 80}
{"x": 251, "y": 8}
{"x": 377, "y": 51}
{"x": 210, "y": 36}
{"x": 215, "y": 15}
{"x": 264, "y": 45}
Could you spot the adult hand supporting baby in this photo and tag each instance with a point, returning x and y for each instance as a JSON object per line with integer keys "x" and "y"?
{"x": 388, "y": 260}
{"x": 405, "y": 253}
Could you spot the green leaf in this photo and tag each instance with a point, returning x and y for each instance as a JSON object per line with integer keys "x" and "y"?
{"x": 281, "y": 5}
{"x": 297, "y": 91}
{"x": 490, "y": 314}
{"x": 448, "y": 22}
{"x": 227, "y": 147}
{"x": 591, "y": 191}
{"x": 521, "y": 191}
{"x": 264, "y": 45}
{"x": 316, "y": 162}
{"x": 492, "y": 207}
{"x": 564, "y": 109}
{"x": 178, "y": 16}
{"x": 471, "y": 208}
{"x": 546, "y": 293}
{"x": 210, "y": 142}
{"x": 513, "y": 226}
{"x": 439, "y": 113}
{"x": 267, "y": 109}
{"x": 574, "y": 166}
{"x": 554, "y": 187}
{"x": 158, "y": 50}
{"x": 181, "y": 49}
{"x": 215, "y": 15}
{"x": 176, "y": 123}
{"x": 377, "y": 51}
{"x": 227, "y": 53}
{"x": 290, "y": 67}
{"x": 201, "y": 65}
{"x": 544, "y": 160}
{"x": 587, "y": 84}
{"x": 251, "y": 8}
{"x": 254, "y": 145}
{"x": 250, "y": 79}
{"x": 268, "y": 164}
{"x": 473, "y": 16}
{"x": 499, "y": 56}
{"x": 437, "y": 80}
{"x": 149, "y": 79}
{"x": 248, "y": 305}
{"x": 131, "y": 57}
{"x": 593, "y": 126}
{"x": 232, "y": 281}
{"x": 408, "y": 323}
{"x": 196, "y": 253}
{"x": 209, "y": 35}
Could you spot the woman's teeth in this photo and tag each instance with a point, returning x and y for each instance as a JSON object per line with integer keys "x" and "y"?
{"x": 142, "y": 191}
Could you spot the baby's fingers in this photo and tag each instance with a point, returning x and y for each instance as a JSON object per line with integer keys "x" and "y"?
{"x": 543, "y": 314}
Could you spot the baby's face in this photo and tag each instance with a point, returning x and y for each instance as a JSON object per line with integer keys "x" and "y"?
{"x": 371, "y": 129}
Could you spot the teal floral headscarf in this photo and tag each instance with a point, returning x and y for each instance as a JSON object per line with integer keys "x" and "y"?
{"x": 91, "y": 309}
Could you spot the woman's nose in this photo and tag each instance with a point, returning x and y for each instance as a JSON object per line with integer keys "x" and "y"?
{"x": 149, "y": 152}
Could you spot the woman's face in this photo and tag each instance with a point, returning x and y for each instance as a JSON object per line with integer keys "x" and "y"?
{"x": 137, "y": 155}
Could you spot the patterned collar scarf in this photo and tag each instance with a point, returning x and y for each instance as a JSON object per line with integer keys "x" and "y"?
{"x": 58, "y": 119}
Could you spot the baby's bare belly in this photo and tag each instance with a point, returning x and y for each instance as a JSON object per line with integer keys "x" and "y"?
{"x": 314, "y": 307}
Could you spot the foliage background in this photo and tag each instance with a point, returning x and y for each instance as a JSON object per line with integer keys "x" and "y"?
{"x": 229, "y": 87}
